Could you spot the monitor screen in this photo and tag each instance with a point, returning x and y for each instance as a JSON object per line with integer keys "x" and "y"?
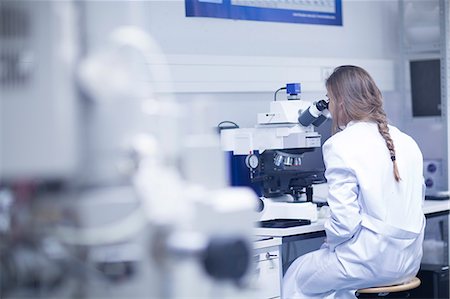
{"x": 425, "y": 78}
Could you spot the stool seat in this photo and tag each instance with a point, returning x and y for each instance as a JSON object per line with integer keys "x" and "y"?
{"x": 412, "y": 284}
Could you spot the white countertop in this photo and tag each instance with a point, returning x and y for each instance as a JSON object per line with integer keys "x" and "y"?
{"x": 433, "y": 206}
{"x": 290, "y": 231}
{"x": 430, "y": 206}
{"x": 266, "y": 242}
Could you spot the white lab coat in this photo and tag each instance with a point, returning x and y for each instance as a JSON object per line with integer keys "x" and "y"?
{"x": 375, "y": 232}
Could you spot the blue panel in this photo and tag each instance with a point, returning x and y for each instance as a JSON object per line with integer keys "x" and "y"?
{"x": 240, "y": 174}
{"x": 322, "y": 12}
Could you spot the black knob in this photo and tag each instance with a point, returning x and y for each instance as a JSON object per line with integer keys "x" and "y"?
{"x": 227, "y": 258}
{"x": 260, "y": 207}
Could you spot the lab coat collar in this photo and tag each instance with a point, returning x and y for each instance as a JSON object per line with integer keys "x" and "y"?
{"x": 352, "y": 122}
{"x": 349, "y": 124}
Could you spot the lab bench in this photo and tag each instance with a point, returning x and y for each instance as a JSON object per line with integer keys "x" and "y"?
{"x": 284, "y": 245}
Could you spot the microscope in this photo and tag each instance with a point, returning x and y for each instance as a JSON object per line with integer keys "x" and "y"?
{"x": 280, "y": 157}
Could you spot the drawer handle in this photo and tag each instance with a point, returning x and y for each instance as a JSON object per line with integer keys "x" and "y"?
{"x": 268, "y": 255}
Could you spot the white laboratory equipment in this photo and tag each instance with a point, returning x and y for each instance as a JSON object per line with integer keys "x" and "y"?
{"x": 94, "y": 203}
{"x": 279, "y": 156}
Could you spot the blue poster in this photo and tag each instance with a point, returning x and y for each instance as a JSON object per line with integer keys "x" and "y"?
{"x": 322, "y": 12}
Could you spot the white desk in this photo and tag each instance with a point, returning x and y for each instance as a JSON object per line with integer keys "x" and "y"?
{"x": 429, "y": 207}
{"x": 275, "y": 237}
{"x": 434, "y": 206}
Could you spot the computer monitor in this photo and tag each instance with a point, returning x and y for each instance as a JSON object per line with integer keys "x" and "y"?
{"x": 425, "y": 83}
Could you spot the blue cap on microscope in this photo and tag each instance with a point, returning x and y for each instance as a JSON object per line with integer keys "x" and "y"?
{"x": 293, "y": 88}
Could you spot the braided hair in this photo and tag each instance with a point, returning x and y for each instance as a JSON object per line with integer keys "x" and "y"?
{"x": 354, "y": 96}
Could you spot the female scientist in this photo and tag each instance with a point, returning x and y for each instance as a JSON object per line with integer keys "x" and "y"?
{"x": 376, "y": 191}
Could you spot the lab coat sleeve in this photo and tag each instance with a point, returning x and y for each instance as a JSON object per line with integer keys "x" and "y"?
{"x": 342, "y": 198}
{"x": 424, "y": 188}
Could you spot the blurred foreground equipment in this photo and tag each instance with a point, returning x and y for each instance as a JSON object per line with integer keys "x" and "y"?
{"x": 97, "y": 197}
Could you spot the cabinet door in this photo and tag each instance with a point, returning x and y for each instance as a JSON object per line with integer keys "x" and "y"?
{"x": 268, "y": 274}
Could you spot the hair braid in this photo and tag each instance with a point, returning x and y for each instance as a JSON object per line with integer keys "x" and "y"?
{"x": 380, "y": 118}
{"x": 355, "y": 96}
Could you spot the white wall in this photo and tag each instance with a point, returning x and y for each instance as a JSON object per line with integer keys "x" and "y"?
{"x": 369, "y": 32}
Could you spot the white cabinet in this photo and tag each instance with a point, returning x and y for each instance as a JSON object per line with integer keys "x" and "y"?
{"x": 267, "y": 271}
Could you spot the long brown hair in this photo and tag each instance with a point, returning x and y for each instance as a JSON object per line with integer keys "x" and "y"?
{"x": 355, "y": 96}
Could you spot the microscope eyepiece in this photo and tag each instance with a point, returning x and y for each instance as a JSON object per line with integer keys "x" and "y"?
{"x": 322, "y": 105}
{"x": 314, "y": 114}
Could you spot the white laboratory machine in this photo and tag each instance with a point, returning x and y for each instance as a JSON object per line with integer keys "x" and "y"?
{"x": 277, "y": 154}
{"x": 93, "y": 200}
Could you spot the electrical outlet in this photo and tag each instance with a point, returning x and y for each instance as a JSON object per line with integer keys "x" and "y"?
{"x": 432, "y": 172}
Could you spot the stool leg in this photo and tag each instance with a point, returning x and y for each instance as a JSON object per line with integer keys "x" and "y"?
{"x": 367, "y": 296}
{"x": 396, "y": 295}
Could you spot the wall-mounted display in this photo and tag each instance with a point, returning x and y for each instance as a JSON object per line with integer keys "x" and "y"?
{"x": 320, "y": 12}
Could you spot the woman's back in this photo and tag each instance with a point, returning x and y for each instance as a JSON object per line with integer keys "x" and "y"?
{"x": 381, "y": 196}
{"x": 386, "y": 221}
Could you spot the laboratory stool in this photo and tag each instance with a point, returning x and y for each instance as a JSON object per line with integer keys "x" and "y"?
{"x": 394, "y": 291}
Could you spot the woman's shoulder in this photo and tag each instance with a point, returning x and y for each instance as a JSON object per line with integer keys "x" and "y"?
{"x": 341, "y": 141}
{"x": 356, "y": 138}
{"x": 404, "y": 138}
{"x": 353, "y": 132}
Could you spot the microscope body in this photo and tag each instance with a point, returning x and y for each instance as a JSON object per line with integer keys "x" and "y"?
{"x": 276, "y": 155}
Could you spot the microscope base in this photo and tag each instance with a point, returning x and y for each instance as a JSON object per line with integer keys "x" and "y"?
{"x": 288, "y": 210}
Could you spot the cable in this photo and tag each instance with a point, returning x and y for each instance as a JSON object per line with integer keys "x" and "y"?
{"x": 275, "y": 94}
{"x": 228, "y": 122}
